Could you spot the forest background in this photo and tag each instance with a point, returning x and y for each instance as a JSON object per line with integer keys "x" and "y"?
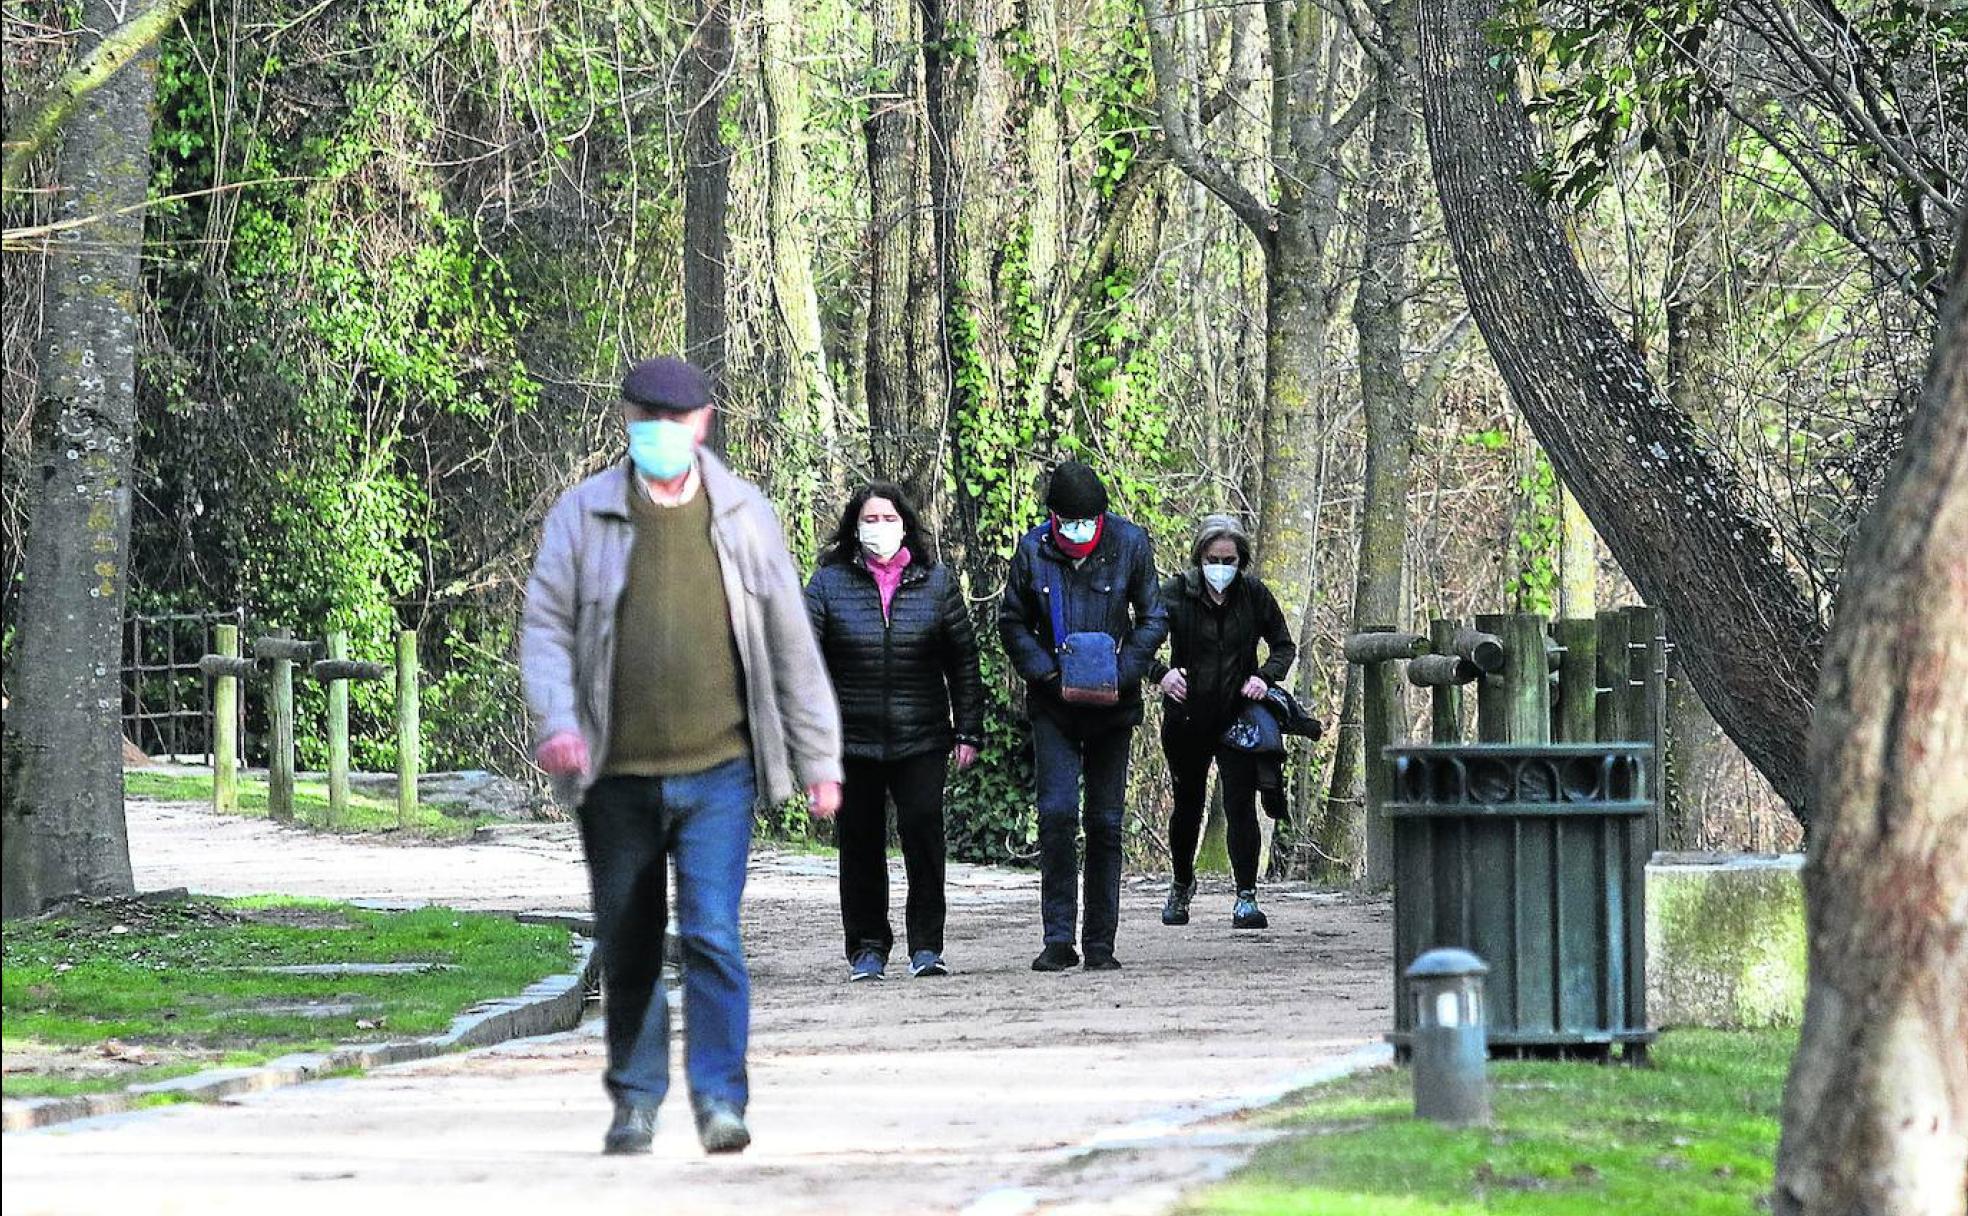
{"x": 396, "y": 255}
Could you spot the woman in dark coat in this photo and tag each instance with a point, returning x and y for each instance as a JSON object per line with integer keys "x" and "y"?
{"x": 1218, "y": 612}
{"x": 897, "y": 637}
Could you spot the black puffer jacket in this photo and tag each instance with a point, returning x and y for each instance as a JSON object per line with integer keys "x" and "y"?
{"x": 1216, "y": 645}
{"x": 898, "y": 679}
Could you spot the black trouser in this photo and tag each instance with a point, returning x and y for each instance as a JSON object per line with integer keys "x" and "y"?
{"x": 861, "y": 831}
{"x": 1190, "y": 747}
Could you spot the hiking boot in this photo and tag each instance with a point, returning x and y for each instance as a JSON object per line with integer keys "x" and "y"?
{"x": 867, "y": 965}
{"x": 1102, "y": 960}
{"x": 1057, "y": 956}
{"x": 721, "y": 1129}
{"x": 1247, "y": 915}
{"x": 631, "y": 1132}
{"x": 1176, "y": 910}
{"x": 927, "y": 962}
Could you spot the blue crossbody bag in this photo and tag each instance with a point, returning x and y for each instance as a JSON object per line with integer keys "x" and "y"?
{"x": 1089, "y": 662}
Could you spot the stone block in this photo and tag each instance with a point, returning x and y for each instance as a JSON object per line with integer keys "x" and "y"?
{"x": 1725, "y": 940}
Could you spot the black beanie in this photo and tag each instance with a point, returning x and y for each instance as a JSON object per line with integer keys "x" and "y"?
{"x": 1075, "y": 492}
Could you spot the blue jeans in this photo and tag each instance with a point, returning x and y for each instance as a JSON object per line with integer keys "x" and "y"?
{"x": 1065, "y": 750}
{"x": 632, "y": 827}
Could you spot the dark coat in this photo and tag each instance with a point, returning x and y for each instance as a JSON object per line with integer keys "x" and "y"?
{"x": 1216, "y": 644}
{"x": 1113, "y": 592}
{"x": 898, "y": 679}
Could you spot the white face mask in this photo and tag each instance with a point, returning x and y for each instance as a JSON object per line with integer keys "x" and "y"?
{"x": 1079, "y": 531}
{"x": 1220, "y": 575}
{"x": 881, "y": 540}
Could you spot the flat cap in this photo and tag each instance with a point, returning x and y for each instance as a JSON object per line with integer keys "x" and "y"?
{"x": 667, "y": 383}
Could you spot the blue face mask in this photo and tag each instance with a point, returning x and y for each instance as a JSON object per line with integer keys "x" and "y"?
{"x": 1079, "y": 531}
{"x": 662, "y": 448}
{"x": 1220, "y": 575}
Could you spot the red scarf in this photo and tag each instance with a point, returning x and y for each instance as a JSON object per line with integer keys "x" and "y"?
{"x": 888, "y": 574}
{"x": 1076, "y": 552}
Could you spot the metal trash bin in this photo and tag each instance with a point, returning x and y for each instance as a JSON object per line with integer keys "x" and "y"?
{"x": 1533, "y": 856}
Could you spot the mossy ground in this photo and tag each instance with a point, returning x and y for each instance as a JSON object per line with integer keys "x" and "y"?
{"x": 124, "y": 991}
{"x": 365, "y": 814}
{"x": 1694, "y": 1136}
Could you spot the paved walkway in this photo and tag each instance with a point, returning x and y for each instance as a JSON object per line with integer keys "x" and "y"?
{"x": 980, "y": 1093}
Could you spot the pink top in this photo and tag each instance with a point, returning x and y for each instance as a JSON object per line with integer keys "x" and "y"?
{"x": 888, "y": 574}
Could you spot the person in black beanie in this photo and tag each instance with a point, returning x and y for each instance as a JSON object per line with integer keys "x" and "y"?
{"x": 1081, "y": 619}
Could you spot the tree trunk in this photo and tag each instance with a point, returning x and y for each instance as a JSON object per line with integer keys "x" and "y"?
{"x": 1578, "y": 560}
{"x": 1876, "y": 1110}
{"x": 968, "y": 90}
{"x": 1672, "y": 514}
{"x": 63, "y": 780}
{"x": 1694, "y": 160}
{"x": 809, "y": 412}
{"x": 899, "y": 444}
{"x": 706, "y": 191}
{"x": 1387, "y": 399}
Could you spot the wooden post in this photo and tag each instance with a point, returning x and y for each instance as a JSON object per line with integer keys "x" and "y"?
{"x": 1646, "y": 650}
{"x": 1492, "y": 710}
{"x": 338, "y": 737}
{"x": 1445, "y": 700}
{"x": 1609, "y": 718}
{"x": 1526, "y": 680}
{"x": 225, "y": 726}
{"x": 408, "y": 733}
{"x": 280, "y": 757}
{"x": 1578, "y": 676}
{"x": 1380, "y": 723}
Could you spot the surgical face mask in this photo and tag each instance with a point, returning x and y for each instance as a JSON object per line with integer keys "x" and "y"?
{"x": 1079, "y": 531}
{"x": 882, "y": 540}
{"x": 662, "y": 448}
{"x": 1220, "y": 575}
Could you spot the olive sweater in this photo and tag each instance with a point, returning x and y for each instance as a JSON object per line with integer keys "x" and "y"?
{"x": 676, "y": 698}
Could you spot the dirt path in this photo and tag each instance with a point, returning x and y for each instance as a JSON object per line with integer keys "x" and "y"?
{"x": 980, "y": 1093}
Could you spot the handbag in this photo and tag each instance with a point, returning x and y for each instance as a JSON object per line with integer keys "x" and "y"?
{"x": 1089, "y": 662}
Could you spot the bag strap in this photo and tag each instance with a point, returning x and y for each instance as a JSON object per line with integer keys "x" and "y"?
{"x": 1058, "y": 610}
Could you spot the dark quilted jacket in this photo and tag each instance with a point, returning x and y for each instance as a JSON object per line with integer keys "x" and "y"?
{"x": 898, "y": 681}
{"x": 1216, "y": 644}
{"x": 1113, "y": 592}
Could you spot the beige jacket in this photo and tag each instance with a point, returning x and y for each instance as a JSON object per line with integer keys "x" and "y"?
{"x": 567, "y": 636}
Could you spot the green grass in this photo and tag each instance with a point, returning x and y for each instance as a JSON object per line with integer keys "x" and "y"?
{"x": 178, "y": 978}
{"x": 1694, "y": 1136}
{"x": 366, "y": 814}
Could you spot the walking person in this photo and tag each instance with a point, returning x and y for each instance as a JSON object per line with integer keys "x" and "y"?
{"x": 898, "y": 642}
{"x": 674, "y": 679}
{"x": 1081, "y": 619}
{"x": 1218, "y": 612}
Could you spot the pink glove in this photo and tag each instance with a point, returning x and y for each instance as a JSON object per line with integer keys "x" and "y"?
{"x": 564, "y": 755}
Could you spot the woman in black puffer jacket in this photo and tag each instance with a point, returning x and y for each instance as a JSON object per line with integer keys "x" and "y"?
{"x": 1218, "y": 612}
{"x": 898, "y": 641}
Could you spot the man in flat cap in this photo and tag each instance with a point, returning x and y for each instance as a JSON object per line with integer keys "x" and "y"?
{"x": 675, "y": 681}
{"x": 1081, "y": 620}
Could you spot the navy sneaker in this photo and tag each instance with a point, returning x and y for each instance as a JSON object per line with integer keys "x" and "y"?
{"x": 927, "y": 962}
{"x": 867, "y": 965}
{"x": 1057, "y": 956}
{"x": 1246, "y": 914}
{"x": 1176, "y": 910}
{"x": 631, "y": 1132}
